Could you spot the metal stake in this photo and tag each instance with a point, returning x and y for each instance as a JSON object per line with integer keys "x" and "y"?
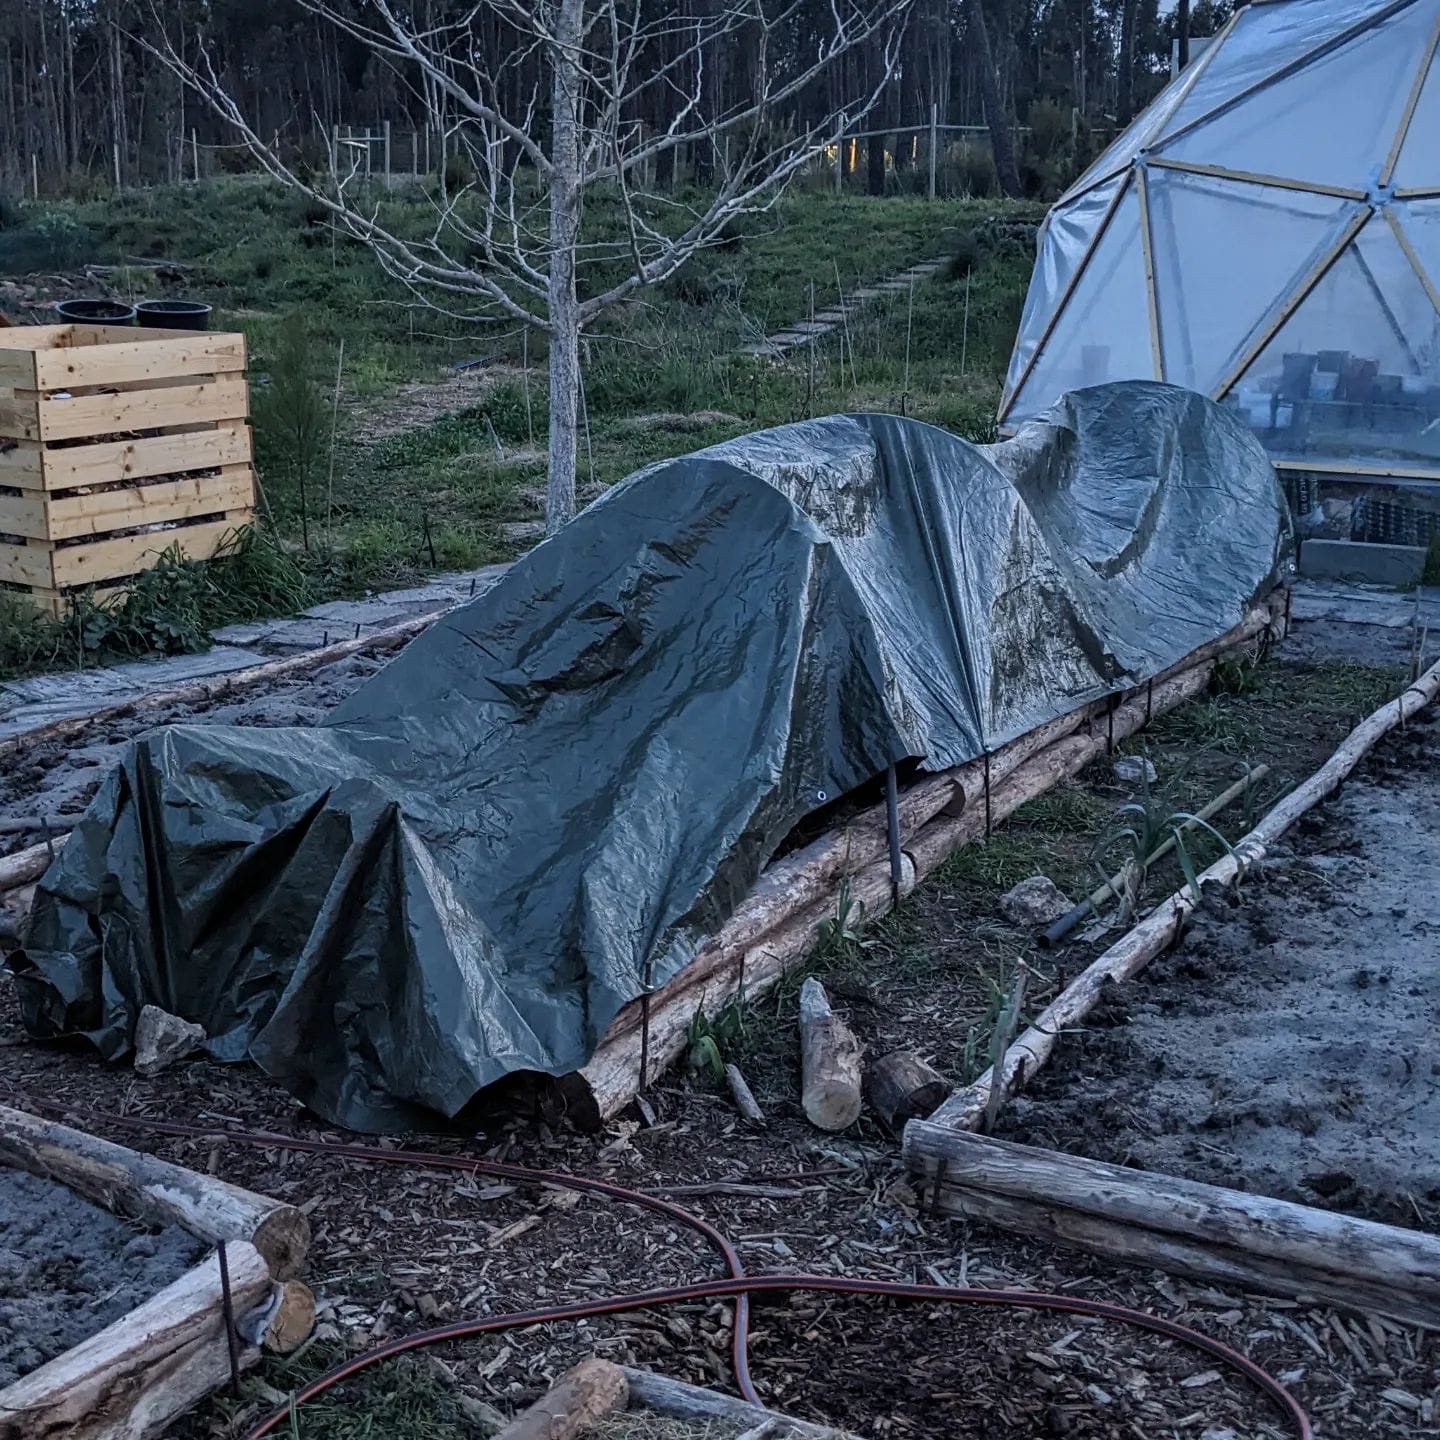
{"x": 892, "y": 825}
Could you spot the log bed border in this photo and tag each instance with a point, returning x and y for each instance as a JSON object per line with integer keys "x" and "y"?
{"x": 775, "y": 926}
{"x": 1273, "y": 1246}
{"x": 129, "y": 1380}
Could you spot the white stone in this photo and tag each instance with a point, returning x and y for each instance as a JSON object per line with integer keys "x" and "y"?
{"x": 1036, "y": 901}
{"x": 1134, "y": 770}
{"x": 162, "y": 1038}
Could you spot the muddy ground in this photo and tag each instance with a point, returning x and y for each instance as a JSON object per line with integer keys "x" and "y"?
{"x": 1287, "y": 1045}
{"x": 69, "y": 1268}
{"x": 398, "y": 1248}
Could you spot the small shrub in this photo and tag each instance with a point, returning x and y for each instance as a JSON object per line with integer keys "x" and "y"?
{"x": 12, "y": 211}
{"x": 457, "y": 175}
{"x": 970, "y": 169}
{"x": 54, "y": 239}
{"x": 731, "y": 236}
{"x": 292, "y": 422}
{"x": 514, "y": 422}
{"x": 308, "y": 212}
{"x": 1430, "y": 575}
{"x": 969, "y": 254}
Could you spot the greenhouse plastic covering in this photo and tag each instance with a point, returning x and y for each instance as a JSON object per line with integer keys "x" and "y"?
{"x": 1267, "y": 232}
{"x": 555, "y": 793}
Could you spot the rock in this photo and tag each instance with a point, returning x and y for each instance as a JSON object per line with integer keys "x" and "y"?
{"x": 1036, "y": 901}
{"x": 1134, "y": 770}
{"x": 162, "y": 1038}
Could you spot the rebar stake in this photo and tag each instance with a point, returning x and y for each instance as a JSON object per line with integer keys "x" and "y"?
{"x": 892, "y": 825}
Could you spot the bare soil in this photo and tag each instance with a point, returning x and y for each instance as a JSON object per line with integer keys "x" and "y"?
{"x": 1287, "y": 1045}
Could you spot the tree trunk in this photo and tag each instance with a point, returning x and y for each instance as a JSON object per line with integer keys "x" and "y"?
{"x": 565, "y": 204}
{"x": 995, "y": 117}
{"x": 1125, "y": 99}
{"x": 1182, "y": 30}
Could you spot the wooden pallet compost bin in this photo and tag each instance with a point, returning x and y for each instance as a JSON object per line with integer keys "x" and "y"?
{"x": 129, "y": 1380}
{"x": 116, "y": 444}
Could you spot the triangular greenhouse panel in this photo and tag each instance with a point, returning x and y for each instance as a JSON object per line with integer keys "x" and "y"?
{"x": 1226, "y": 256}
{"x": 1104, "y": 331}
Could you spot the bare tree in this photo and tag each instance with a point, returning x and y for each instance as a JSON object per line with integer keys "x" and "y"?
{"x": 552, "y": 102}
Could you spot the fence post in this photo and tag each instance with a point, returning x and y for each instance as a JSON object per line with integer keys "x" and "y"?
{"x": 934, "y": 130}
{"x": 387, "y": 153}
{"x": 839, "y": 164}
{"x": 34, "y": 174}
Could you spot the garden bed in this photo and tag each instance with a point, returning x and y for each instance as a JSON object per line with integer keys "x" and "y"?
{"x": 1286, "y": 1046}
{"x": 130, "y": 1288}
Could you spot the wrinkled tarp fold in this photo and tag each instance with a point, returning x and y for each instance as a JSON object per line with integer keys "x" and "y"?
{"x": 549, "y": 798}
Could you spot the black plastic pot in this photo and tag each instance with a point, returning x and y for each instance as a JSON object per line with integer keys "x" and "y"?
{"x": 173, "y": 314}
{"x": 96, "y": 312}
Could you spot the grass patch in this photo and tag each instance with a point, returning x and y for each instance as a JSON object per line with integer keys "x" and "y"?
{"x": 169, "y": 610}
{"x": 1333, "y": 687}
{"x": 404, "y": 1399}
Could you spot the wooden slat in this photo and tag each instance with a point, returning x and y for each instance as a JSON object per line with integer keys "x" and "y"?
{"x": 83, "y": 334}
{"x": 17, "y": 369}
{"x": 37, "y": 337}
{"x": 26, "y": 565}
{"x": 19, "y": 416}
{"x": 109, "y": 510}
{"x": 23, "y": 514}
{"x": 22, "y": 465}
{"x": 57, "y": 603}
{"x": 225, "y": 398}
{"x": 195, "y": 353}
{"x": 110, "y": 460}
{"x": 107, "y": 559}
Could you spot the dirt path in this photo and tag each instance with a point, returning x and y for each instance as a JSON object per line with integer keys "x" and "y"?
{"x": 1288, "y": 1045}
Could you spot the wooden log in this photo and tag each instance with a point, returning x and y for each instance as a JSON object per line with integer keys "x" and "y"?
{"x": 26, "y": 866}
{"x": 576, "y": 1401}
{"x": 1145, "y": 1218}
{"x": 1134, "y": 950}
{"x": 142, "y": 1187}
{"x": 129, "y": 1381}
{"x": 903, "y": 1087}
{"x": 661, "y": 1395}
{"x": 830, "y": 1056}
{"x": 775, "y": 926}
{"x": 744, "y": 1096}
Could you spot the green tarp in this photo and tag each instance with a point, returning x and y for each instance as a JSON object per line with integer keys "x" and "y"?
{"x": 549, "y": 798}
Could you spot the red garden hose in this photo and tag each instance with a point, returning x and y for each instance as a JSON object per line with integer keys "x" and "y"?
{"x": 739, "y": 1285}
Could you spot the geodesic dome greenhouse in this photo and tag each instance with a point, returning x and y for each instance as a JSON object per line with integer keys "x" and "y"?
{"x": 1268, "y": 233}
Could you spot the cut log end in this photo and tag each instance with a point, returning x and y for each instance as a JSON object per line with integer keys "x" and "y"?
{"x": 903, "y": 1087}
{"x": 293, "y": 1320}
